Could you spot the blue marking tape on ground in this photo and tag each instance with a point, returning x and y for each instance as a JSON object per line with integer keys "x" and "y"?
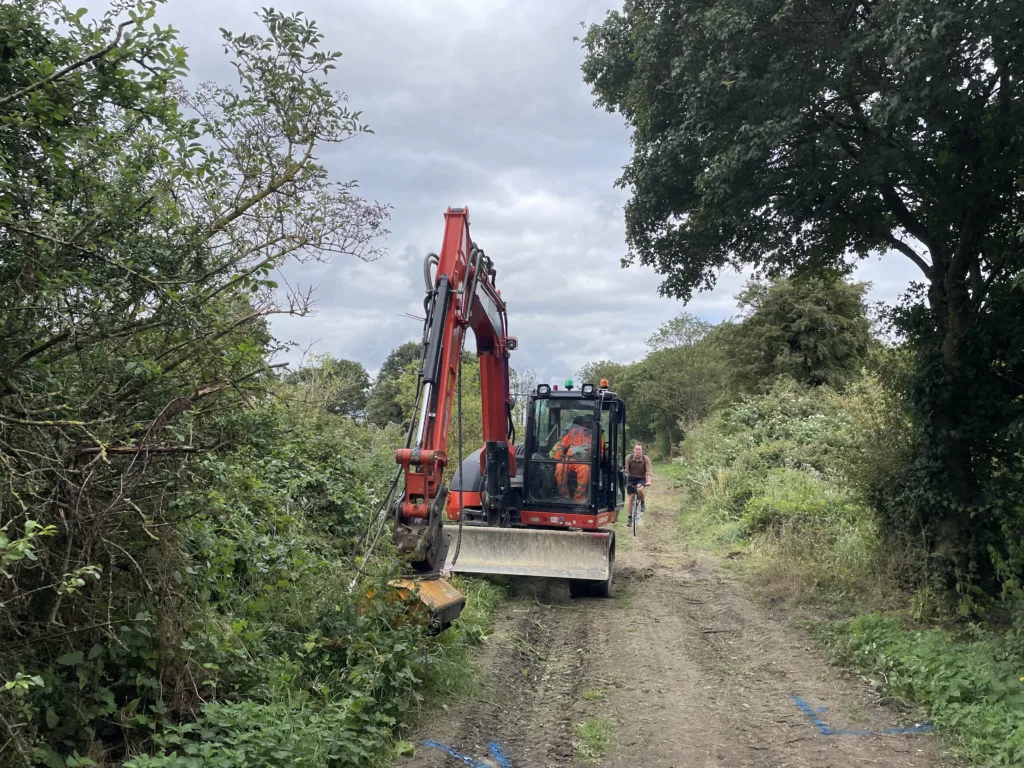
{"x": 827, "y": 730}
{"x": 493, "y": 746}
{"x": 498, "y": 755}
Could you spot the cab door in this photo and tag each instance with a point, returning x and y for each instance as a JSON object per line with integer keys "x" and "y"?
{"x": 610, "y": 484}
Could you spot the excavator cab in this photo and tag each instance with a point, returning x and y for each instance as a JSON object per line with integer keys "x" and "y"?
{"x": 575, "y": 443}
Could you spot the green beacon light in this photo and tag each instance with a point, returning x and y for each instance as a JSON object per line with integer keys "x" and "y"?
{"x": 568, "y": 383}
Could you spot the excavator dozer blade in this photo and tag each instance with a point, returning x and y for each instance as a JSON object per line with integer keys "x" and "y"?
{"x": 583, "y": 555}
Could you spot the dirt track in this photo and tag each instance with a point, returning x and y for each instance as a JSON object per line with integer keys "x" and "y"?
{"x": 689, "y": 671}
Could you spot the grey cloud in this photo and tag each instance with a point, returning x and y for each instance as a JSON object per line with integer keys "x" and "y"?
{"x": 479, "y": 104}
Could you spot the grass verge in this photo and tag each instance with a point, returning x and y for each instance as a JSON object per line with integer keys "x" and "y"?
{"x": 452, "y": 670}
{"x": 971, "y": 686}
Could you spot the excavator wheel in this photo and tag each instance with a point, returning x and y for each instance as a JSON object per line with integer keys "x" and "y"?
{"x": 589, "y": 588}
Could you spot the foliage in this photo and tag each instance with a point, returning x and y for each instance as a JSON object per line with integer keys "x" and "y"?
{"x": 892, "y": 127}
{"x": 522, "y": 384}
{"x": 176, "y": 523}
{"x": 815, "y": 330}
{"x": 772, "y": 471}
{"x": 868, "y": 102}
{"x": 970, "y": 685}
{"x": 677, "y": 384}
{"x": 685, "y": 330}
{"x": 451, "y": 665}
{"x": 382, "y": 406}
{"x": 337, "y": 386}
{"x": 472, "y": 413}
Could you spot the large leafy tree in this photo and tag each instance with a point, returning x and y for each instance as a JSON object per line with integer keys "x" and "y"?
{"x": 335, "y": 385}
{"x": 815, "y": 330}
{"x": 795, "y": 137}
{"x": 686, "y": 329}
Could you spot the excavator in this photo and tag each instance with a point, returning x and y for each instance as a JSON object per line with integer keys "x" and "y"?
{"x": 542, "y": 508}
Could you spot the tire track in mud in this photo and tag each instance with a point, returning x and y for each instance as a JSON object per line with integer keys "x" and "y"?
{"x": 688, "y": 669}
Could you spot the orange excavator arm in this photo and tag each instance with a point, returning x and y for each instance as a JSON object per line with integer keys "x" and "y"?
{"x": 461, "y": 296}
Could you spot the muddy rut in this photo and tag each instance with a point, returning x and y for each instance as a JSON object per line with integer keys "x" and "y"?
{"x": 683, "y": 667}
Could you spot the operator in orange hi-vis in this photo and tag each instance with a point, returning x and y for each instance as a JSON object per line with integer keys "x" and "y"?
{"x": 576, "y": 444}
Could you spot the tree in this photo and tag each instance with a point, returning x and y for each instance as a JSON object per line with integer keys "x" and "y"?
{"x": 382, "y": 407}
{"x": 798, "y": 137}
{"x": 685, "y": 330}
{"x": 337, "y": 386}
{"x": 592, "y": 373}
{"x": 626, "y": 382}
{"x": 522, "y": 385}
{"x": 140, "y": 224}
{"x": 815, "y": 330}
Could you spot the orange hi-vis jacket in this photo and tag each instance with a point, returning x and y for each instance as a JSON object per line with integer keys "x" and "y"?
{"x": 576, "y": 444}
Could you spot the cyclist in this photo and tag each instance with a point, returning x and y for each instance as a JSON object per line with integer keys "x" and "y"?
{"x": 638, "y": 476}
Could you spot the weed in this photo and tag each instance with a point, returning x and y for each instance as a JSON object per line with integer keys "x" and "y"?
{"x": 623, "y": 594}
{"x": 971, "y": 690}
{"x": 592, "y": 694}
{"x": 857, "y": 713}
{"x": 594, "y": 739}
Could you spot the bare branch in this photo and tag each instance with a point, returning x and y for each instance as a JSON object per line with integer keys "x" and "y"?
{"x": 910, "y": 253}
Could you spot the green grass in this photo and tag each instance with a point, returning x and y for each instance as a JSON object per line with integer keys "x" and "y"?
{"x": 594, "y": 739}
{"x": 623, "y": 593}
{"x": 970, "y": 686}
{"x": 452, "y": 671}
{"x": 592, "y": 694}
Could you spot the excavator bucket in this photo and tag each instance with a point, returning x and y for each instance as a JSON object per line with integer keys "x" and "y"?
{"x": 443, "y": 602}
{"x": 440, "y": 602}
{"x": 578, "y": 555}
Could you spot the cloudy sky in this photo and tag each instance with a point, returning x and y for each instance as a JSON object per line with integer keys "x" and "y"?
{"x": 479, "y": 104}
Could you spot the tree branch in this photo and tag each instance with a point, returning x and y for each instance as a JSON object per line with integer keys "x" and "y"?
{"x": 69, "y": 68}
{"x": 910, "y": 253}
{"x": 132, "y": 450}
{"x": 905, "y": 217}
{"x": 38, "y": 350}
{"x": 263, "y": 194}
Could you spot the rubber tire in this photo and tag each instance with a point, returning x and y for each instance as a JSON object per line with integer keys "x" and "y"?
{"x": 588, "y": 588}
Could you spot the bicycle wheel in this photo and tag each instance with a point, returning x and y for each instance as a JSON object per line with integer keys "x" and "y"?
{"x": 636, "y": 512}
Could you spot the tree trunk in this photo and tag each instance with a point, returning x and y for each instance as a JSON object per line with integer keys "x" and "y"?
{"x": 947, "y": 404}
